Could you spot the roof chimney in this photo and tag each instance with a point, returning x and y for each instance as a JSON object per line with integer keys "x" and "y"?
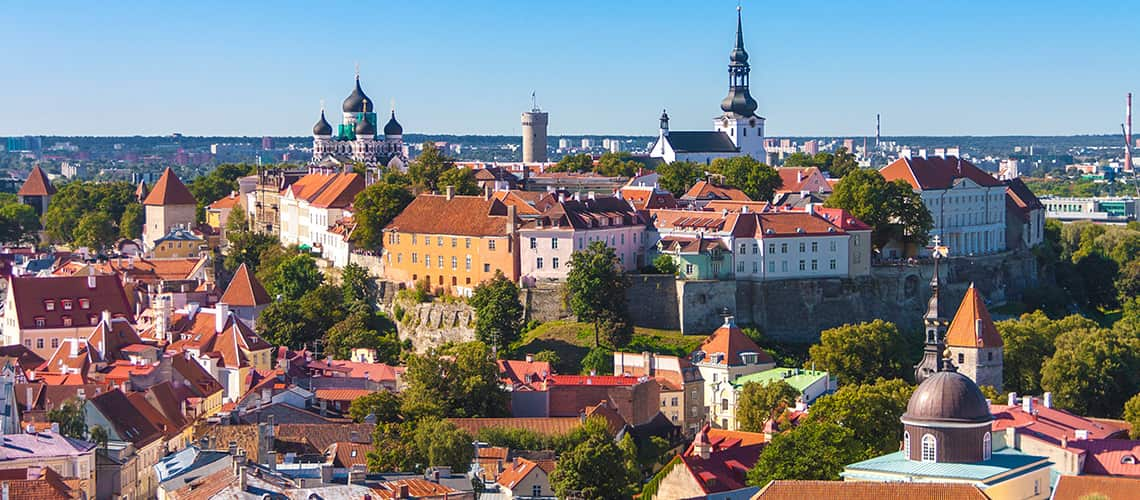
{"x": 1027, "y": 404}
{"x": 799, "y": 175}
{"x": 28, "y": 398}
{"x": 403, "y": 493}
{"x": 1048, "y": 399}
{"x": 1012, "y": 399}
{"x": 107, "y": 317}
{"x": 511, "y": 216}
{"x": 529, "y": 358}
{"x": 450, "y": 192}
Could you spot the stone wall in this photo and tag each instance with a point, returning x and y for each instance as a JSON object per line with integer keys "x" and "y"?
{"x": 652, "y": 299}
{"x": 427, "y": 324}
{"x": 544, "y": 302}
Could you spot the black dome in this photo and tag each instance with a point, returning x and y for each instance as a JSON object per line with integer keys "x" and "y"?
{"x": 322, "y": 127}
{"x": 393, "y": 127}
{"x": 739, "y": 101}
{"x": 948, "y": 396}
{"x": 357, "y": 102}
{"x": 739, "y": 55}
{"x": 364, "y": 127}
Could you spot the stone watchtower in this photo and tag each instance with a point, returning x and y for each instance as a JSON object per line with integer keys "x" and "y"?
{"x": 974, "y": 343}
{"x": 534, "y": 135}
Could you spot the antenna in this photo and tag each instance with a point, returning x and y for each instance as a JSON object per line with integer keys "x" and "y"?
{"x": 533, "y": 101}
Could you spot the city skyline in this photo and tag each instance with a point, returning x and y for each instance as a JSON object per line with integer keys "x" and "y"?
{"x": 466, "y": 69}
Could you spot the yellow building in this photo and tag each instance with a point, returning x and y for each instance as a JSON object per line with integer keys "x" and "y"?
{"x": 179, "y": 243}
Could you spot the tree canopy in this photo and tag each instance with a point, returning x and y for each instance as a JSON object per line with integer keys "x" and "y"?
{"x": 595, "y": 468}
{"x": 1027, "y": 342}
{"x": 75, "y": 199}
{"x": 19, "y": 223}
{"x": 862, "y": 353}
{"x": 677, "y": 177}
{"x": 759, "y": 403}
{"x": 1093, "y": 371}
{"x": 811, "y": 451}
{"x": 595, "y": 287}
{"x": 893, "y": 209}
{"x": 838, "y": 164}
{"x": 870, "y": 410}
{"x": 374, "y": 208}
{"x": 95, "y": 230}
{"x": 498, "y": 312}
{"x": 71, "y": 418}
{"x": 461, "y": 381}
{"x": 217, "y": 184}
{"x": 294, "y": 276}
{"x": 759, "y": 181}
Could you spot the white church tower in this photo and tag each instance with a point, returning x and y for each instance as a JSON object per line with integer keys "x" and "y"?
{"x": 739, "y": 121}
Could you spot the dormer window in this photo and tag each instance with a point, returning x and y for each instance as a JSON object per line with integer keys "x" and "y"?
{"x": 93, "y": 319}
{"x": 66, "y": 320}
{"x": 66, "y": 304}
{"x": 49, "y": 305}
{"x": 85, "y": 303}
{"x": 1128, "y": 459}
{"x": 40, "y": 322}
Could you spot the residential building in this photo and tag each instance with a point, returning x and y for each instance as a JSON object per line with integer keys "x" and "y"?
{"x": 187, "y": 468}
{"x": 974, "y": 343}
{"x": 1098, "y": 209}
{"x": 635, "y": 399}
{"x": 310, "y": 206}
{"x": 68, "y": 458}
{"x": 717, "y": 461}
{"x": 947, "y": 438}
{"x": 218, "y": 212}
{"x": 496, "y": 178}
{"x": 356, "y": 138}
{"x": 523, "y": 380}
{"x": 222, "y": 344}
{"x": 36, "y": 191}
{"x": 646, "y": 198}
{"x": 966, "y": 203}
{"x": 39, "y": 483}
{"x": 1025, "y": 216}
{"x": 168, "y": 205}
{"x": 723, "y": 357}
{"x": 40, "y": 312}
{"x": 179, "y": 243}
{"x": 125, "y": 467}
{"x": 738, "y": 131}
{"x": 570, "y": 225}
{"x": 682, "y": 388}
{"x": 526, "y": 479}
{"x": 263, "y": 202}
{"x": 705, "y": 191}
{"x": 453, "y": 242}
{"x": 803, "y": 179}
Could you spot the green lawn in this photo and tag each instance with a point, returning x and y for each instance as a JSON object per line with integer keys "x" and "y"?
{"x": 572, "y": 341}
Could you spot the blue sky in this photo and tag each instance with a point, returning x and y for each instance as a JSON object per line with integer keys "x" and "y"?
{"x": 605, "y": 67}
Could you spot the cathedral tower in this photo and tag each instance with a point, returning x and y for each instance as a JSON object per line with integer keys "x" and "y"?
{"x": 739, "y": 121}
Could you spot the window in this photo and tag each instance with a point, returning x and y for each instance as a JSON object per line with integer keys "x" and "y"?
{"x": 771, "y": 248}
{"x": 929, "y": 448}
{"x": 413, "y": 239}
{"x": 454, "y": 263}
{"x": 486, "y": 268}
{"x": 399, "y": 258}
{"x": 414, "y": 258}
{"x": 39, "y": 343}
{"x": 427, "y": 260}
{"x": 961, "y": 358}
{"x": 467, "y": 264}
{"x": 54, "y": 343}
{"x": 724, "y": 405}
{"x": 990, "y": 356}
{"x": 490, "y": 244}
{"x": 441, "y": 262}
{"x": 855, "y": 238}
{"x": 987, "y": 446}
{"x": 740, "y": 267}
{"x": 831, "y": 245}
{"x": 467, "y": 243}
{"x": 814, "y": 265}
{"x": 538, "y": 263}
{"x": 783, "y": 248}
{"x": 49, "y": 305}
{"x": 688, "y": 269}
{"x": 803, "y": 247}
{"x": 803, "y": 266}
{"x": 783, "y": 266}
{"x": 66, "y": 304}
{"x": 439, "y": 240}
{"x": 755, "y": 249}
{"x": 754, "y": 266}
{"x": 533, "y": 243}
{"x": 536, "y": 490}
{"x": 673, "y": 402}
{"x": 554, "y": 263}
{"x": 906, "y": 443}
{"x": 743, "y": 248}
{"x": 771, "y": 266}
{"x": 622, "y": 238}
{"x": 814, "y": 246}
{"x": 831, "y": 264}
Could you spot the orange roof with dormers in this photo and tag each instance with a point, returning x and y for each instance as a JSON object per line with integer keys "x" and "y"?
{"x": 514, "y": 473}
{"x": 228, "y": 201}
{"x": 972, "y": 325}
{"x": 341, "y": 192}
{"x": 512, "y": 198}
{"x": 730, "y": 341}
{"x": 936, "y": 172}
{"x": 308, "y": 187}
{"x": 460, "y": 216}
{"x": 705, "y": 190}
{"x": 245, "y": 290}
{"x": 169, "y": 190}
{"x": 37, "y": 184}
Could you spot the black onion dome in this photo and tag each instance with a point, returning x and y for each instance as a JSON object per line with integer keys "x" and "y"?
{"x": 393, "y": 127}
{"x": 739, "y": 101}
{"x": 357, "y": 101}
{"x": 322, "y": 127}
{"x": 364, "y": 127}
{"x": 948, "y": 396}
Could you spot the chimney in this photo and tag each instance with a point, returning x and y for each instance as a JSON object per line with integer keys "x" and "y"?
{"x": 1027, "y": 404}
{"x": 403, "y": 491}
{"x": 1048, "y": 399}
{"x": 271, "y": 461}
{"x": 1012, "y": 399}
{"x": 107, "y": 317}
{"x": 91, "y": 281}
{"x": 221, "y": 314}
{"x": 647, "y": 361}
{"x": 74, "y": 347}
{"x": 591, "y": 195}
{"x": 450, "y": 192}
{"x": 55, "y": 427}
{"x": 28, "y": 398}
{"x": 799, "y": 175}
{"x": 511, "y": 215}
{"x": 530, "y": 358}
{"x": 744, "y": 209}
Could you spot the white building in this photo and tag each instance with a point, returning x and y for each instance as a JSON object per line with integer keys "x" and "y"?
{"x": 738, "y": 131}
{"x": 569, "y": 225}
{"x": 725, "y": 356}
{"x": 966, "y": 203}
{"x": 311, "y": 207}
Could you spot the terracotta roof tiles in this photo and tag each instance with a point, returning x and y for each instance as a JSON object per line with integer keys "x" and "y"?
{"x": 341, "y": 192}
{"x": 726, "y": 344}
{"x": 972, "y": 325}
{"x": 46, "y": 298}
{"x": 936, "y": 172}
{"x": 245, "y": 290}
{"x": 461, "y": 215}
{"x": 868, "y": 490}
{"x": 37, "y": 184}
{"x": 705, "y": 190}
{"x": 1086, "y": 487}
{"x": 169, "y": 190}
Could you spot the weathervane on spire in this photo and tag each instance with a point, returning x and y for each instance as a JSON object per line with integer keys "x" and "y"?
{"x": 392, "y": 104}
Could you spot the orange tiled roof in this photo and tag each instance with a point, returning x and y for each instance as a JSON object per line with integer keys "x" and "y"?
{"x": 169, "y": 190}
{"x": 37, "y": 184}
{"x": 461, "y": 215}
{"x": 245, "y": 290}
{"x": 229, "y": 201}
{"x": 936, "y": 172}
{"x": 1081, "y": 487}
{"x": 341, "y": 192}
{"x": 342, "y": 394}
{"x": 705, "y": 190}
{"x": 547, "y": 426}
{"x": 417, "y": 488}
{"x": 516, "y": 472}
{"x": 972, "y": 325}
{"x": 346, "y": 454}
{"x": 730, "y": 341}
{"x": 514, "y": 199}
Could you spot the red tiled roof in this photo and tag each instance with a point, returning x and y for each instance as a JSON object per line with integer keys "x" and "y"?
{"x": 515, "y": 472}
{"x": 705, "y": 190}
{"x": 461, "y": 215}
{"x": 513, "y": 198}
{"x": 36, "y": 483}
{"x": 152, "y": 271}
{"x": 868, "y": 490}
{"x": 842, "y": 219}
{"x": 737, "y": 206}
{"x": 341, "y": 192}
{"x": 972, "y": 325}
{"x": 417, "y": 488}
{"x": 647, "y": 198}
{"x": 345, "y": 454}
{"x": 308, "y": 187}
{"x": 1110, "y": 457}
{"x": 602, "y": 380}
{"x": 169, "y": 190}
{"x": 1019, "y": 197}
{"x": 245, "y": 290}
{"x": 1051, "y": 424}
{"x": 1085, "y": 487}
{"x": 342, "y": 394}
{"x": 229, "y": 201}
{"x": 775, "y": 224}
{"x": 322, "y": 436}
{"x": 523, "y": 373}
{"x": 128, "y": 421}
{"x": 547, "y": 426}
{"x": 31, "y": 295}
{"x": 37, "y": 184}
{"x": 726, "y": 467}
{"x": 730, "y": 341}
{"x": 936, "y": 172}
{"x": 795, "y": 179}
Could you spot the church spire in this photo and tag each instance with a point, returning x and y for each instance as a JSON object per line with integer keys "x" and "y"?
{"x": 933, "y": 351}
{"x": 739, "y": 101}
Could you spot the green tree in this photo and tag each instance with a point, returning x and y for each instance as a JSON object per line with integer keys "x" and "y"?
{"x": 617, "y": 165}
{"x": 246, "y": 247}
{"x": 1027, "y": 342}
{"x": 283, "y": 323}
{"x": 677, "y": 177}
{"x": 1132, "y": 416}
{"x": 595, "y": 286}
{"x": 217, "y": 184}
{"x": 812, "y": 451}
{"x": 131, "y": 224}
{"x": 424, "y": 172}
{"x": 757, "y": 180}
{"x": 595, "y": 468}
{"x": 461, "y": 179}
{"x": 76, "y": 199}
{"x": 394, "y": 448}
{"x": 760, "y": 402}
{"x": 363, "y": 330}
{"x": 383, "y": 406}
{"x": 574, "y": 163}
{"x": 461, "y": 381}
{"x": 296, "y": 275}
{"x": 870, "y": 411}
{"x": 1093, "y": 371}
{"x": 599, "y": 361}
{"x": 71, "y": 417}
{"x": 1099, "y": 275}
{"x": 237, "y": 221}
{"x": 19, "y": 224}
{"x": 374, "y": 208}
{"x": 359, "y": 287}
{"x": 893, "y": 209}
{"x": 862, "y": 352}
{"x": 665, "y": 264}
{"x": 616, "y": 328}
{"x": 498, "y": 312}
{"x": 99, "y": 436}
{"x": 841, "y": 164}
{"x": 548, "y": 356}
{"x": 96, "y": 231}
{"x": 800, "y": 159}
{"x": 1128, "y": 281}
{"x": 442, "y": 444}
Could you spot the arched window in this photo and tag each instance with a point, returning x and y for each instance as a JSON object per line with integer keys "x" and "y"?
{"x": 906, "y": 443}
{"x": 987, "y": 446}
{"x": 1128, "y": 459}
{"x": 929, "y": 448}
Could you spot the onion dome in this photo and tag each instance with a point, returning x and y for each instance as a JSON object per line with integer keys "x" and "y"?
{"x": 364, "y": 127}
{"x": 322, "y": 127}
{"x": 739, "y": 101}
{"x": 947, "y": 396}
{"x": 357, "y": 102}
{"x": 393, "y": 127}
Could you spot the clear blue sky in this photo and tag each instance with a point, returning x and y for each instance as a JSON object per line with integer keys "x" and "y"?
{"x": 606, "y": 67}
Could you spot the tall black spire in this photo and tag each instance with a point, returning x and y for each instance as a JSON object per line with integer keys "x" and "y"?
{"x": 935, "y": 325}
{"x": 738, "y": 101}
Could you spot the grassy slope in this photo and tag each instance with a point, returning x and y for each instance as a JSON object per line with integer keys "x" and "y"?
{"x": 573, "y": 340}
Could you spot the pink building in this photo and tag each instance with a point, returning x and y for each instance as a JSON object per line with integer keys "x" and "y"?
{"x": 569, "y": 225}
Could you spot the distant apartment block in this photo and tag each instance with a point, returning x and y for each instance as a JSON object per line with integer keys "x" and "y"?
{"x": 1100, "y": 209}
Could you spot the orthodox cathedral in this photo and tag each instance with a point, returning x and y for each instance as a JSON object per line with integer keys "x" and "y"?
{"x": 737, "y": 131}
{"x": 356, "y": 138}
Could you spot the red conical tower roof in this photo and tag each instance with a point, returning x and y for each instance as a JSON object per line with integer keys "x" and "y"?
{"x": 245, "y": 290}
{"x": 169, "y": 190}
{"x": 972, "y": 325}
{"x": 37, "y": 184}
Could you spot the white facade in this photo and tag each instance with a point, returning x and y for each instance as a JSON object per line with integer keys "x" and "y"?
{"x": 746, "y": 132}
{"x": 968, "y": 218}
{"x": 778, "y": 258}
{"x": 545, "y": 252}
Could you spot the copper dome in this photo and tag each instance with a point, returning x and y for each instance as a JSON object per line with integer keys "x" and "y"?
{"x": 950, "y": 397}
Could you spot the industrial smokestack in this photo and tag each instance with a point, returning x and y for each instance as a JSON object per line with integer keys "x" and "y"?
{"x": 1128, "y": 135}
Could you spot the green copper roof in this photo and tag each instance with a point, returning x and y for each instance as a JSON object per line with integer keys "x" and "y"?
{"x": 801, "y": 381}
{"x": 1000, "y": 463}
